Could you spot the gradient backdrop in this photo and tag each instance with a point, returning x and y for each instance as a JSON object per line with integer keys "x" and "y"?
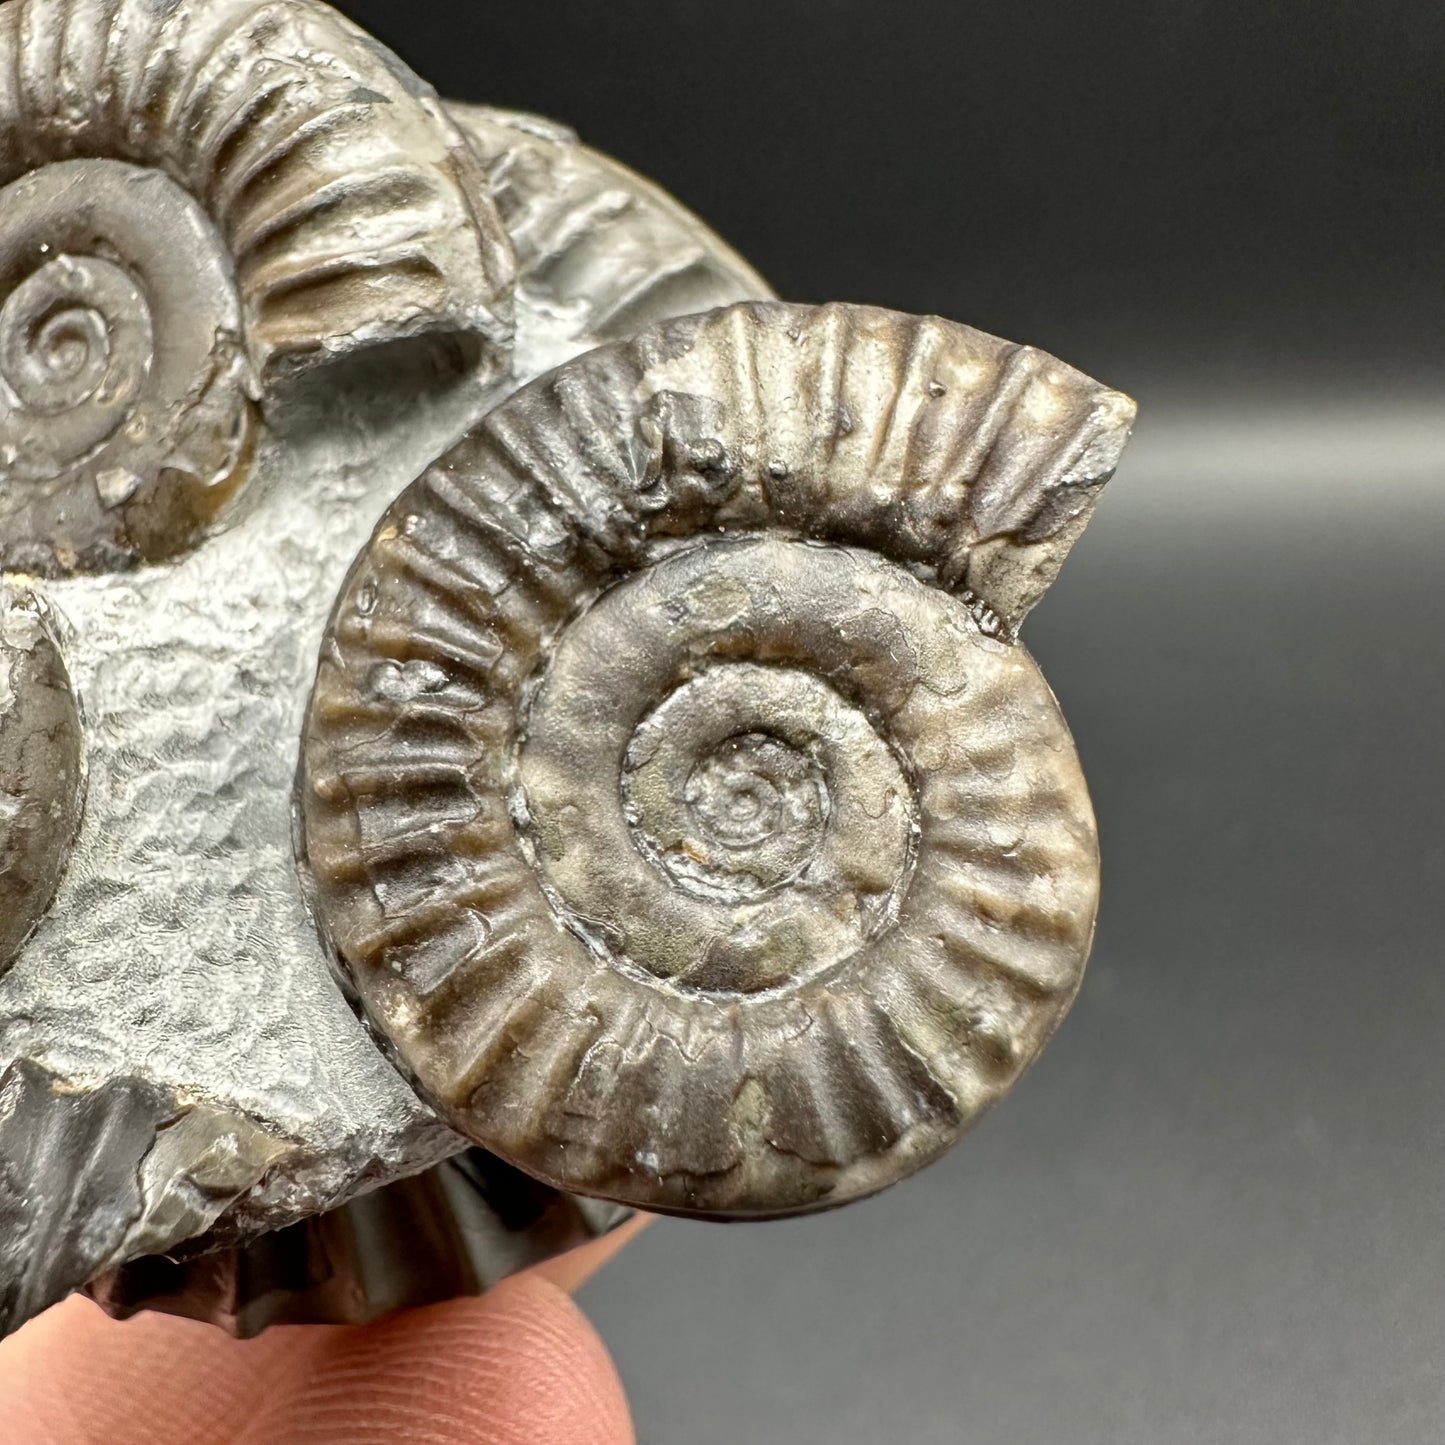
{"x": 1215, "y": 1211}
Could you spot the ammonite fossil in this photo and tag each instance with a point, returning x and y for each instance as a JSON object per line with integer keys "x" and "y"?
{"x": 254, "y": 279}
{"x": 675, "y": 792}
{"x": 41, "y": 768}
{"x": 594, "y": 241}
{"x": 202, "y": 198}
{"x": 675, "y": 797}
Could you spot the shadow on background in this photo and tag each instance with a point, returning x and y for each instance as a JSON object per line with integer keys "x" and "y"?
{"x": 1213, "y": 1212}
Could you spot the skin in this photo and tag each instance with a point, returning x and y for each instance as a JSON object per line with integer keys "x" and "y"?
{"x": 519, "y": 1366}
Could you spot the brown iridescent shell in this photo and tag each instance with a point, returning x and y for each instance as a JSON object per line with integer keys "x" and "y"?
{"x": 675, "y": 792}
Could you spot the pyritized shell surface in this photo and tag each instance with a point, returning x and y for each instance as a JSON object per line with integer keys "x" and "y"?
{"x": 595, "y": 241}
{"x": 674, "y": 791}
{"x": 200, "y": 201}
{"x": 41, "y": 768}
{"x": 126, "y": 410}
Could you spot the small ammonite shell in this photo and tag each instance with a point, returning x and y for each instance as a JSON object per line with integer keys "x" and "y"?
{"x": 40, "y": 768}
{"x": 690, "y": 822}
{"x": 201, "y": 200}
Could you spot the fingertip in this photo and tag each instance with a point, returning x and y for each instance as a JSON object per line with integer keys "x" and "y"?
{"x": 561, "y": 1383}
{"x": 517, "y": 1366}
{"x": 74, "y": 1376}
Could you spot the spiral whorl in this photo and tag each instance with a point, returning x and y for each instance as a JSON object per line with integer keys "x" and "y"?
{"x": 674, "y": 791}
{"x": 251, "y": 187}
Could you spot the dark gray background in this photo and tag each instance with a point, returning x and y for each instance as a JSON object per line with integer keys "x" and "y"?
{"x": 1215, "y": 1211}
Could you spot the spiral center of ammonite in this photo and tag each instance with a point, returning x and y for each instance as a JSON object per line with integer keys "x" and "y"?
{"x": 65, "y": 328}
{"x": 125, "y": 401}
{"x": 72, "y": 341}
{"x": 753, "y": 792}
{"x": 729, "y": 817}
{"x": 747, "y": 832}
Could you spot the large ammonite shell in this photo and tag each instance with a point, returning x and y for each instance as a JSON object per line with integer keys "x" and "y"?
{"x": 674, "y": 792}
{"x": 199, "y": 199}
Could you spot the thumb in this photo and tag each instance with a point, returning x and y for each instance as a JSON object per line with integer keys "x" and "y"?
{"x": 520, "y": 1364}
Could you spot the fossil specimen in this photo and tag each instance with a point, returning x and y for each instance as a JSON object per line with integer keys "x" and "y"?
{"x": 685, "y": 851}
{"x": 41, "y": 769}
{"x": 254, "y": 279}
{"x": 593, "y": 240}
{"x": 202, "y": 197}
{"x": 177, "y": 963}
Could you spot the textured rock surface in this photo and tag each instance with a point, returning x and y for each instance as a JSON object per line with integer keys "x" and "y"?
{"x": 740, "y": 886}
{"x": 177, "y": 985}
